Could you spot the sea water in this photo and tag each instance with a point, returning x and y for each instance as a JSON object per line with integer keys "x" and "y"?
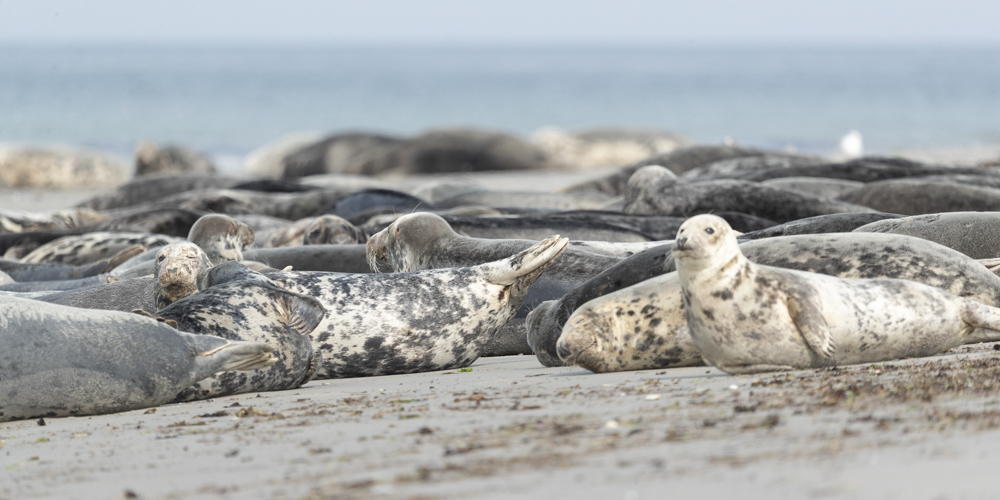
{"x": 228, "y": 100}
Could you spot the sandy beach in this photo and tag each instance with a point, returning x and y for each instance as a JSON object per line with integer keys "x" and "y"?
{"x": 924, "y": 428}
{"x": 921, "y": 428}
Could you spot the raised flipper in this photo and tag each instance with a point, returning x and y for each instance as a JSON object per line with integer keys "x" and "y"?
{"x": 506, "y": 272}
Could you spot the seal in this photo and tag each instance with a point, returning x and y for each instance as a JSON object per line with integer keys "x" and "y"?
{"x": 539, "y": 228}
{"x": 678, "y": 161}
{"x": 21, "y": 271}
{"x": 20, "y": 221}
{"x": 221, "y": 237}
{"x": 92, "y": 247}
{"x": 323, "y": 258}
{"x": 332, "y": 230}
{"x": 867, "y": 169}
{"x": 253, "y": 311}
{"x": 422, "y": 241}
{"x": 586, "y": 200}
{"x": 656, "y": 227}
{"x": 972, "y": 233}
{"x": 58, "y": 361}
{"x": 151, "y": 188}
{"x": 655, "y": 190}
{"x": 919, "y": 196}
{"x": 833, "y": 223}
{"x": 748, "y": 318}
{"x": 848, "y": 255}
{"x": 322, "y": 230}
{"x": 820, "y": 187}
{"x": 180, "y": 270}
{"x": 382, "y": 324}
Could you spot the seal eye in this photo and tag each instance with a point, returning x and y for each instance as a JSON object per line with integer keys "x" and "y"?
{"x": 709, "y": 230}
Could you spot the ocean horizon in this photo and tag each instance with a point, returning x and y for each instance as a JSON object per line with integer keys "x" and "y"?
{"x": 230, "y": 99}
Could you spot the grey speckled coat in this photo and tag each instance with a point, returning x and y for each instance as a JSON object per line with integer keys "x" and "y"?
{"x": 385, "y": 324}
{"x": 257, "y": 312}
{"x": 748, "y": 318}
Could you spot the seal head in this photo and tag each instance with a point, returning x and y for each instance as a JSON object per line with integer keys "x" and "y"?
{"x": 180, "y": 269}
{"x": 221, "y": 237}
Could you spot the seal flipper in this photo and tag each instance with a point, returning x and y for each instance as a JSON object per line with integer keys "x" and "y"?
{"x": 506, "y": 272}
{"x": 232, "y": 355}
{"x": 301, "y": 312}
{"x": 807, "y": 315}
{"x": 122, "y": 256}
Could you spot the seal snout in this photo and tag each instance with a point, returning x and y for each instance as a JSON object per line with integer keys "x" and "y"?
{"x": 681, "y": 243}
{"x": 563, "y": 351}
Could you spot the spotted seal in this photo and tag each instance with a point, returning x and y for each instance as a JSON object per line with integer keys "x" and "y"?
{"x": 656, "y": 190}
{"x": 92, "y": 247}
{"x": 255, "y": 311}
{"x": 58, "y": 361}
{"x": 750, "y": 318}
{"x": 639, "y": 298}
{"x": 381, "y": 324}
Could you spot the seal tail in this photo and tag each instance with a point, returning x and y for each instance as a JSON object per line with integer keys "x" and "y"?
{"x": 537, "y": 258}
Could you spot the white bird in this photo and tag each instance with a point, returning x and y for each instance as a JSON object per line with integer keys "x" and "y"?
{"x": 851, "y": 145}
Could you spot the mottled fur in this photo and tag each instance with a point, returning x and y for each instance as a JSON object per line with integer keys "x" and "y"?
{"x": 252, "y": 311}
{"x": 749, "y": 318}
{"x": 421, "y": 321}
{"x": 92, "y": 247}
{"x": 221, "y": 237}
{"x": 606, "y": 326}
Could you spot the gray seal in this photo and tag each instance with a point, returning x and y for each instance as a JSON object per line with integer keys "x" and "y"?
{"x": 548, "y": 201}
{"x": 221, "y": 237}
{"x": 322, "y": 258}
{"x": 58, "y": 361}
{"x": 749, "y": 318}
{"x": 656, "y": 190}
{"x": 972, "y": 233}
{"x": 253, "y": 311}
{"x": 919, "y": 196}
{"x": 89, "y": 248}
{"x": 833, "y": 223}
{"x": 845, "y": 255}
{"x": 180, "y": 270}
{"x": 539, "y": 228}
{"x": 422, "y": 241}
{"x": 382, "y": 324}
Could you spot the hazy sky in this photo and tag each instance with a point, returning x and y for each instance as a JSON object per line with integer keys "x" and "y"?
{"x": 504, "y": 22}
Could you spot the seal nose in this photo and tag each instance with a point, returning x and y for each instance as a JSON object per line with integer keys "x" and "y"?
{"x": 563, "y": 351}
{"x": 681, "y": 242}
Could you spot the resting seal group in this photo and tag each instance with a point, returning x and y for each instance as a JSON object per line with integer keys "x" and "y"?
{"x": 176, "y": 288}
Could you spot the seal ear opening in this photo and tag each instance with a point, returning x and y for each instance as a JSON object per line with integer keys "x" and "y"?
{"x": 301, "y": 312}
